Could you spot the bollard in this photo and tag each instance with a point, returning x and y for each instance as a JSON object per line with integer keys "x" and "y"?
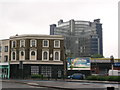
{"x": 110, "y": 88}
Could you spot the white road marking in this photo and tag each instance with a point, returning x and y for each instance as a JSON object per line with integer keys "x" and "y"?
{"x": 32, "y": 83}
{"x": 35, "y": 87}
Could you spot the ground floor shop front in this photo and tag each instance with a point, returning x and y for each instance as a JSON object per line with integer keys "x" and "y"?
{"x": 48, "y": 71}
{"x": 4, "y": 70}
{"x": 103, "y": 68}
{"x": 57, "y": 71}
{"x": 96, "y": 69}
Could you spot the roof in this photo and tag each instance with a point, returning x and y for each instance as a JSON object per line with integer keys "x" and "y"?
{"x": 36, "y": 36}
{"x": 102, "y": 59}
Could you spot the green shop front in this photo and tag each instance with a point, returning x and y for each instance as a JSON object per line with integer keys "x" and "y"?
{"x": 4, "y": 70}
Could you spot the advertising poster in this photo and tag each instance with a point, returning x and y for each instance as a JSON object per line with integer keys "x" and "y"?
{"x": 78, "y": 63}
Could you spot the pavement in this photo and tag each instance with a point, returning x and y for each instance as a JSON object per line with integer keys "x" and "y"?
{"x": 59, "y": 83}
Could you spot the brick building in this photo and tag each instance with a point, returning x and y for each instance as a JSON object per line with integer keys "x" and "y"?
{"x": 39, "y": 54}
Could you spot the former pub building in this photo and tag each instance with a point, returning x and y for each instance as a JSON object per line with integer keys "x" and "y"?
{"x": 38, "y": 54}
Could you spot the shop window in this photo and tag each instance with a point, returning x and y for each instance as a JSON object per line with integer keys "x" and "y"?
{"x": 59, "y": 73}
{"x": 46, "y": 71}
{"x": 34, "y": 70}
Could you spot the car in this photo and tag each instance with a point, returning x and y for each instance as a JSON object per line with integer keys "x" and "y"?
{"x": 77, "y": 76}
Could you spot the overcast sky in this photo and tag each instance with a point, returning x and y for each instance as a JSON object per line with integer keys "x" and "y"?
{"x": 35, "y": 16}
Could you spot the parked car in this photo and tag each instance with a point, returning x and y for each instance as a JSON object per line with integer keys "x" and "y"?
{"x": 77, "y": 76}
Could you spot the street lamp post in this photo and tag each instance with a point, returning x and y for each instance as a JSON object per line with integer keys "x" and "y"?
{"x": 112, "y": 62}
{"x": 65, "y": 67}
{"x": 21, "y": 68}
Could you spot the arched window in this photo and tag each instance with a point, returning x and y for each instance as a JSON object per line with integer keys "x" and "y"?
{"x": 56, "y": 56}
{"x": 13, "y": 55}
{"x": 33, "y": 53}
{"x": 45, "y": 55}
{"x": 22, "y": 53}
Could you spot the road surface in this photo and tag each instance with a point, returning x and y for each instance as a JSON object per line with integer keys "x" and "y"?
{"x": 7, "y": 85}
{"x": 58, "y": 85}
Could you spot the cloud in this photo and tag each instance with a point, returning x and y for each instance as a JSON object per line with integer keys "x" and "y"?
{"x": 35, "y": 16}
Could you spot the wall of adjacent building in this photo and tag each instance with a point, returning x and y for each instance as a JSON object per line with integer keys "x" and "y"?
{"x": 4, "y": 52}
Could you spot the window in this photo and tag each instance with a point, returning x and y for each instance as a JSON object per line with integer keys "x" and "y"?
{"x": 33, "y": 53}
{"x": 22, "y": 43}
{"x": 57, "y": 55}
{"x": 13, "y": 44}
{"x": 45, "y": 55}
{"x": 6, "y": 58}
{"x": 22, "y": 53}
{"x": 59, "y": 73}
{"x": 46, "y": 71}
{"x": 33, "y": 43}
{"x": 6, "y": 48}
{"x": 13, "y": 55}
{"x": 34, "y": 70}
{"x": 57, "y": 43}
{"x": 45, "y": 43}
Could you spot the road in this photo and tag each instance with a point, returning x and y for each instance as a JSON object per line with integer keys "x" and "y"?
{"x": 58, "y": 85}
{"x": 18, "y": 85}
{"x": 75, "y": 84}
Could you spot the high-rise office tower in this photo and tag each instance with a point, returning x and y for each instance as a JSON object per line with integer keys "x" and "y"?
{"x": 82, "y": 38}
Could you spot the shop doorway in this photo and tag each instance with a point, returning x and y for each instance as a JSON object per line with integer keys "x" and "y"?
{"x": 4, "y": 70}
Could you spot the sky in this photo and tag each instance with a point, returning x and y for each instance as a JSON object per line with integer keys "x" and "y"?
{"x": 35, "y": 16}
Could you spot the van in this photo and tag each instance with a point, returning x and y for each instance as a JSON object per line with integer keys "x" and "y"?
{"x": 114, "y": 73}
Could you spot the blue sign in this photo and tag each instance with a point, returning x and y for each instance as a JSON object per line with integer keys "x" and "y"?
{"x": 117, "y": 64}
